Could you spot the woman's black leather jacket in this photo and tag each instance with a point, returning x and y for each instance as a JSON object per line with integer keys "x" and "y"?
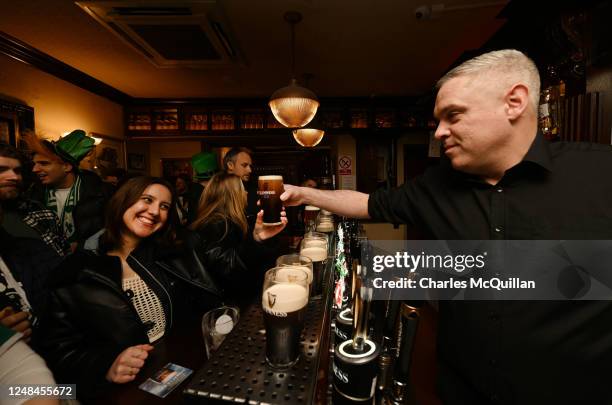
{"x": 90, "y": 320}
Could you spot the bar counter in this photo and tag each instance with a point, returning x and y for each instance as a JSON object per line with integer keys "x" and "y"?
{"x": 237, "y": 371}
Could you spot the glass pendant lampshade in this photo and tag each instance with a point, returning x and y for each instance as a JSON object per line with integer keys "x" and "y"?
{"x": 308, "y": 137}
{"x": 294, "y": 106}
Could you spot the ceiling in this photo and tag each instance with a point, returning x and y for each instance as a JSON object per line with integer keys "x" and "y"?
{"x": 351, "y": 47}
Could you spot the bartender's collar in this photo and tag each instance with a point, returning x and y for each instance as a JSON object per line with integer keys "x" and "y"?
{"x": 539, "y": 153}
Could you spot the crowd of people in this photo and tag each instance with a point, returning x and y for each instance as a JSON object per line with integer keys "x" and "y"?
{"x": 92, "y": 273}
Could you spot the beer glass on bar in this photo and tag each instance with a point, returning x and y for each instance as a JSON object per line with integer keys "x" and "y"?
{"x": 315, "y": 248}
{"x": 311, "y": 214}
{"x": 284, "y": 300}
{"x": 296, "y": 260}
{"x": 269, "y": 191}
{"x": 325, "y": 222}
{"x": 314, "y": 234}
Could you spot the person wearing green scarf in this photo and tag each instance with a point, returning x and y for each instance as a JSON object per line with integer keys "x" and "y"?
{"x": 64, "y": 188}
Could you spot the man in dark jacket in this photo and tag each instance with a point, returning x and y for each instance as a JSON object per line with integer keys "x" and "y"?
{"x": 237, "y": 161}
{"x": 77, "y": 196}
{"x": 188, "y": 198}
{"x": 25, "y": 264}
{"x": 24, "y": 217}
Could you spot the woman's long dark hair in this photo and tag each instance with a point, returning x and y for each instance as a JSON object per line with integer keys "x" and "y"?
{"x": 126, "y": 196}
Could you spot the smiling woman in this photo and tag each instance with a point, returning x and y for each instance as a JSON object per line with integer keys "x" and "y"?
{"x": 138, "y": 258}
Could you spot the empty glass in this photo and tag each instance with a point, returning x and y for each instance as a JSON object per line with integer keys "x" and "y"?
{"x": 216, "y": 325}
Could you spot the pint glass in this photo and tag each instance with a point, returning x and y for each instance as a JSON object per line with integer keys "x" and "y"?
{"x": 269, "y": 191}
{"x": 315, "y": 248}
{"x": 296, "y": 260}
{"x": 311, "y": 214}
{"x": 284, "y": 300}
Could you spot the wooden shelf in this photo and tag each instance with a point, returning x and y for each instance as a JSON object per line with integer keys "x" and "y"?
{"x": 157, "y": 119}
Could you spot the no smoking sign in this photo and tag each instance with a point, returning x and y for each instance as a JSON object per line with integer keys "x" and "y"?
{"x": 345, "y": 165}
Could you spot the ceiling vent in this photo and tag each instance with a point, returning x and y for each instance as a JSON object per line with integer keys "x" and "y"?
{"x": 171, "y": 33}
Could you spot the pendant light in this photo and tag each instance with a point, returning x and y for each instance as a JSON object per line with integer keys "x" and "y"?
{"x": 308, "y": 137}
{"x": 293, "y": 106}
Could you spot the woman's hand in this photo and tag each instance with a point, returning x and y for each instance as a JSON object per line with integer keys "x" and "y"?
{"x": 128, "y": 364}
{"x": 261, "y": 232}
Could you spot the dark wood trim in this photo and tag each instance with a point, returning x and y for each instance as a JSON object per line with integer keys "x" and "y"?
{"x": 19, "y": 50}
{"x": 262, "y": 102}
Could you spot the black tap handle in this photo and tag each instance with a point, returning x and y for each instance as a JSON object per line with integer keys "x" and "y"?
{"x": 409, "y": 323}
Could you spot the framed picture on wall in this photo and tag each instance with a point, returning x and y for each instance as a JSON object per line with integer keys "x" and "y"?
{"x": 107, "y": 155}
{"x": 136, "y": 161}
{"x": 15, "y": 119}
{"x": 174, "y": 166}
{"x": 7, "y": 131}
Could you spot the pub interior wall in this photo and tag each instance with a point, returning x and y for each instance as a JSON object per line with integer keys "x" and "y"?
{"x": 600, "y": 80}
{"x": 58, "y": 105}
{"x": 170, "y": 150}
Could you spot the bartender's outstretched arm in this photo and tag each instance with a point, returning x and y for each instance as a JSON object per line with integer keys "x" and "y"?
{"x": 346, "y": 203}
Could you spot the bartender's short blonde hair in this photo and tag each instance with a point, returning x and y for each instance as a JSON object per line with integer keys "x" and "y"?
{"x": 510, "y": 64}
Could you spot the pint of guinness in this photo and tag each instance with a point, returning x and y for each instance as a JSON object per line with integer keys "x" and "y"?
{"x": 269, "y": 191}
{"x": 315, "y": 249}
{"x": 284, "y": 300}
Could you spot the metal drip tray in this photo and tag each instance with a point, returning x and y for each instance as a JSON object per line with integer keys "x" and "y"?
{"x": 238, "y": 372}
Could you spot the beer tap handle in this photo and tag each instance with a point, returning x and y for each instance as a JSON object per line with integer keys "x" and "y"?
{"x": 409, "y": 322}
{"x": 391, "y": 318}
{"x": 360, "y": 333}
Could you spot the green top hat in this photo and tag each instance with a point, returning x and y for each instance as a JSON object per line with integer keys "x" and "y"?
{"x": 204, "y": 164}
{"x": 74, "y": 147}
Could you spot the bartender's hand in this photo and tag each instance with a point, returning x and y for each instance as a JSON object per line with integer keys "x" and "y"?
{"x": 293, "y": 195}
{"x": 128, "y": 364}
{"x": 261, "y": 232}
{"x": 17, "y": 321}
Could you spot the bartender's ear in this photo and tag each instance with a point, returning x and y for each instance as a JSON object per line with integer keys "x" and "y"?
{"x": 517, "y": 101}
{"x": 230, "y": 166}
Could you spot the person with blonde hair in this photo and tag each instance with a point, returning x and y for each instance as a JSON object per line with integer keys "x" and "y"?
{"x": 232, "y": 254}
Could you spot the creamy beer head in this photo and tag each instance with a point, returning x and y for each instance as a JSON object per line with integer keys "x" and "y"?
{"x": 284, "y": 298}
{"x": 327, "y": 226}
{"x": 316, "y": 253}
{"x": 316, "y": 242}
{"x": 269, "y": 191}
{"x": 311, "y": 213}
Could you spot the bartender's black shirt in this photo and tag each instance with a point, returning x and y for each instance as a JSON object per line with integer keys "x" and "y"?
{"x": 518, "y": 352}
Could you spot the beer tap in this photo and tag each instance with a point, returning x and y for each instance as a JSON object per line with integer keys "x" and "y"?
{"x": 361, "y": 314}
{"x": 355, "y": 364}
{"x": 345, "y": 318}
{"x": 410, "y": 313}
{"x": 389, "y": 346}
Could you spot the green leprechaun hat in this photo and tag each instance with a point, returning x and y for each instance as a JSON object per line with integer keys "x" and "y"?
{"x": 204, "y": 164}
{"x": 74, "y": 147}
